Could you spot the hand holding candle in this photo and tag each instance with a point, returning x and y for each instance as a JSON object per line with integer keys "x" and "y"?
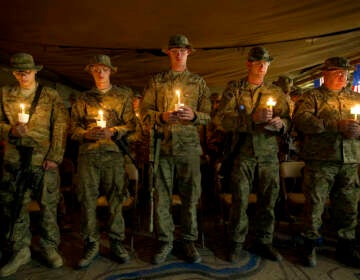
{"x": 355, "y": 111}
{"x": 22, "y": 117}
{"x": 101, "y": 122}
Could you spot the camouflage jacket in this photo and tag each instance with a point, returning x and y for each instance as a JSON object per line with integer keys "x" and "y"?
{"x": 47, "y": 126}
{"x": 316, "y": 116}
{"x": 234, "y": 115}
{"x": 180, "y": 138}
{"x": 118, "y": 113}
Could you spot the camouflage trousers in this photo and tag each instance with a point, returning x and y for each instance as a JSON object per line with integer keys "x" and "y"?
{"x": 46, "y": 194}
{"x": 101, "y": 174}
{"x": 184, "y": 172}
{"x": 249, "y": 175}
{"x": 339, "y": 180}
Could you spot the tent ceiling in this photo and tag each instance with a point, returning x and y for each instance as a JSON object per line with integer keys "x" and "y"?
{"x": 62, "y": 35}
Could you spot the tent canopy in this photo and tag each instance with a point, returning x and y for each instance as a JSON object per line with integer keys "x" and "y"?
{"x": 62, "y": 35}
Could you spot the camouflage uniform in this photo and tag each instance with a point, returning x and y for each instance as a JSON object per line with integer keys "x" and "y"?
{"x": 254, "y": 151}
{"x": 180, "y": 151}
{"x": 331, "y": 159}
{"x": 101, "y": 163}
{"x": 331, "y": 149}
{"x": 47, "y": 136}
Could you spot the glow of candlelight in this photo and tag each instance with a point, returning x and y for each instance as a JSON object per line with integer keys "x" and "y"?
{"x": 178, "y": 95}
{"x": 355, "y": 111}
{"x": 22, "y": 108}
{"x": 101, "y": 115}
{"x": 270, "y": 103}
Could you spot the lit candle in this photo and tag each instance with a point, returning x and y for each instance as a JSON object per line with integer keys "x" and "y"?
{"x": 22, "y": 108}
{"x": 22, "y": 117}
{"x": 270, "y": 103}
{"x": 179, "y": 104}
{"x": 355, "y": 111}
{"x": 178, "y": 95}
{"x": 101, "y": 122}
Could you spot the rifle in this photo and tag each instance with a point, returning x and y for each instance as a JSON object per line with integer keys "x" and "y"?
{"x": 124, "y": 148}
{"x": 155, "y": 141}
{"x": 22, "y": 181}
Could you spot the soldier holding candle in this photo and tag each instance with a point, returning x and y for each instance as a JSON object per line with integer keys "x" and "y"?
{"x": 331, "y": 149}
{"x": 255, "y": 113}
{"x": 99, "y": 115}
{"x": 33, "y": 118}
{"x": 177, "y": 102}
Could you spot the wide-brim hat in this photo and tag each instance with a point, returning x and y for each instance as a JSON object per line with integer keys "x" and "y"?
{"x": 100, "y": 59}
{"x": 336, "y": 63}
{"x": 259, "y": 53}
{"x": 22, "y": 62}
{"x": 178, "y": 41}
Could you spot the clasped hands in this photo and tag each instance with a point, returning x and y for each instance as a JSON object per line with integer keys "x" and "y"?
{"x": 185, "y": 114}
{"x": 265, "y": 115}
{"x": 98, "y": 133}
{"x": 349, "y": 128}
{"x": 19, "y": 130}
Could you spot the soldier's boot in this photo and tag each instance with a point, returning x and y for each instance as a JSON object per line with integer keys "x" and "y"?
{"x": 52, "y": 257}
{"x": 236, "y": 252}
{"x": 191, "y": 253}
{"x": 346, "y": 252}
{"x": 119, "y": 251}
{"x": 18, "y": 259}
{"x": 162, "y": 253}
{"x": 267, "y": 251}
{"x": 90, "y": 253}
{"x": 310, "y": 252}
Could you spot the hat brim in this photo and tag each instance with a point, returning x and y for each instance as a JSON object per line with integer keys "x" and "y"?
{"x": 189, "y": 47}
{"x": 113, "y": 68}
{"x": 324, "y": 68}
{"x": 11, "y": 69}
{"x": 268, "y": 59}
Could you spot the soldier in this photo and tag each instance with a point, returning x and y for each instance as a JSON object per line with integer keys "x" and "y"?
{"x": 331, "y": 149}
{"x": 177, "y": 102}
{"x": 256, "y": 114}
{"x": 98, "y": 116}
{"x": 33, "y": 118}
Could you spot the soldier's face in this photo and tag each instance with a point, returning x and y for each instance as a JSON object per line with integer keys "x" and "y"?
{"x": 25, "y": 78}
{"x": 335, "y": 79}
{"x": 178, "y": 56}
{"x": 100, "y": 73}
{"x": 257, "y": 68}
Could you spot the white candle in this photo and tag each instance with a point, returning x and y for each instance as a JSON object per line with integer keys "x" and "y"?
{"x": 179, "y": 104}
{"x": 355, "y": 111}
{"x": 22, "y": 117}
{"x": 270, "y": 103}
{"x": 101, "y": 122}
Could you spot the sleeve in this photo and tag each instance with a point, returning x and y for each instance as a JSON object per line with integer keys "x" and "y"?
{"x": 149, "y": 111}
{"x": 127, "y": 117}
{"x": 77, "y": 125}
{"x": 59, "y": 130}
{"x": 305, "y": 118}
{"x": 4, "y": 124}
{"x": 202, "y": 114}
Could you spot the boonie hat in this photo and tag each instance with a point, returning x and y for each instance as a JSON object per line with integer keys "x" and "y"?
{"x": 178, "y": 41}
{"x": 259, "y": 53}
{"x": 22, "y": 62}
{"x": 100, "y": 59}
{"x": 334, "y": 63}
